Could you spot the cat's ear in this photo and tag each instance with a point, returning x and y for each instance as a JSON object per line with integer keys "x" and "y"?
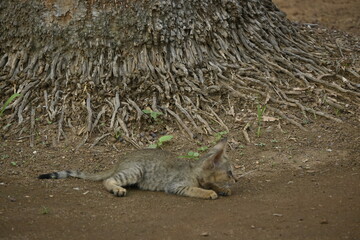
{"x": 215, "y": 156}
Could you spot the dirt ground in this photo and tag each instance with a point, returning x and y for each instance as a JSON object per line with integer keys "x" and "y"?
{"x": 292, "y": 184}
{"x": 343, "y": 15}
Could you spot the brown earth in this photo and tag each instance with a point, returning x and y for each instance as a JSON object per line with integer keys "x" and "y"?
{"x": 293, "y": 184}
{"x": 343, "y": 15}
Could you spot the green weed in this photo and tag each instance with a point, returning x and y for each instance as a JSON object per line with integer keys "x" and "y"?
{"x": 10, "y": 99}
{"x": 203, "y": 149}
{"x": 193, "y": 154}
{"x": 153, "y": 114}
{"x": 219, "y": 135}
{"x": 273, "y": 165}
{"x": 260, "y": 144}
{"x": 117, "y": 134}
{"x": 44, "y": 210}
{"x": 161, "y": 141}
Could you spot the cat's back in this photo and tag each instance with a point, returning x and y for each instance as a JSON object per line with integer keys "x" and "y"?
{"x": 154, "y": 159}
{"x": 158, "y": 168}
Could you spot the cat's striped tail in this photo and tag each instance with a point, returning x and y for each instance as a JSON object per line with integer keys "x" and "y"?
{"x": 77, "y": 174}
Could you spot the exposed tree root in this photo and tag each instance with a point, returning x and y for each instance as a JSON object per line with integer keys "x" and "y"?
{"x": 245, "y": 51}
{"x": 97, "y": 140}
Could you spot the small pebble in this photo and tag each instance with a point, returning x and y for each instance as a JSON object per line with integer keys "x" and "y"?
{"x": 205, "y": 234}
{"x": 277, "y": 214}
{"x": 12, "y": 199}
{"x": 324, "y": 221}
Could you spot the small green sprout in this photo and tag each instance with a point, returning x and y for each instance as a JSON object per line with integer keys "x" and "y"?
{"x": 153, "y": 114}
{"x": 161, "y": 141}
{"x": 117, "y": 134}
{"x": 203, "y": 149}
{"x": 8, "y": 101}
{"x": 220, "y": 135}
{"x": 260, "y": 144}
{"x": 195, "y": 155}
{"x": 44, "y": 210}
{"x": 191, "y": 154}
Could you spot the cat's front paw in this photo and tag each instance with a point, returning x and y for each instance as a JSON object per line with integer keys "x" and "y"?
{"x": 224, "y": 191}
{"x": 119, "y": 191}
{"x": 212, "y": 195}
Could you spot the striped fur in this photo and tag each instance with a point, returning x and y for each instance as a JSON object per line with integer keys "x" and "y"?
{"x": 77, "y": 174}
{"x": 158, "y": 170}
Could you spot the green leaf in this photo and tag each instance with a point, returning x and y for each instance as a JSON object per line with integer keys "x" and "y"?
{"x": 191, "y": 153}
{"x": 154, "y": 115}
{"x": 45, "y": 210}
{"x": 219, "y": 135}
{"x": 202, "y": 149}
{"x": 14, "y": 163}
{"x": 165, "y": 138}
{"x": 147, "y": 111}
{"x": 153, "y": 146}
{"x": 10, "y": 99}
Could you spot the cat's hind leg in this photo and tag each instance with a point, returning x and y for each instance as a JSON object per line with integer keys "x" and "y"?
{"x": 192, "y": 192}
{"x": 113, "y": 186}
{"x": 123, "y": 178}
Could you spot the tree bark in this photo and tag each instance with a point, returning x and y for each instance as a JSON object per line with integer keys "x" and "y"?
{"x": 82, "y": 62}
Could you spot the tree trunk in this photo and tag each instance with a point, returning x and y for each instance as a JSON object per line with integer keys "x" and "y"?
{"x": 100, "y": 63}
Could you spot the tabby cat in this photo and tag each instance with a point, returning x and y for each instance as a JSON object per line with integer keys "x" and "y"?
{"x": 158, "y": 170}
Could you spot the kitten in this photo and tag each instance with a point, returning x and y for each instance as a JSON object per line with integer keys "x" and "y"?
{"x": 158, "y": 170}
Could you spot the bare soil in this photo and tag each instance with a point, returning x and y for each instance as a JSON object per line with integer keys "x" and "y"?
{"x": 293, "y": 184}
{"x": 340, "y": 15}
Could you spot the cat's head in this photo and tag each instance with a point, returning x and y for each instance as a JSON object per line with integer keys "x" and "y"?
{"x": 215, "y": 165}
